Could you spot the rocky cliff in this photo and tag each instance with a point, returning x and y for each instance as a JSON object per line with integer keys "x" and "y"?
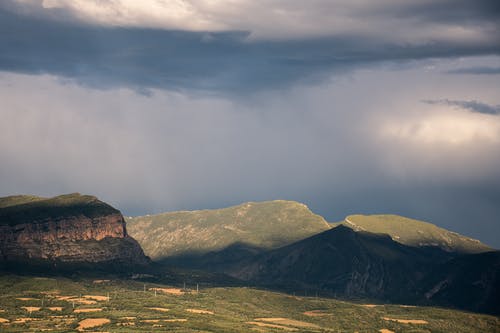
{"x": 71, "y": 228}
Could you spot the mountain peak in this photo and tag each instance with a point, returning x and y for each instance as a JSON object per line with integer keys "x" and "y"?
{"x": 415, "y": 233}
{"x": 32, "y": 209}
{"x": 14, "y": 200}
{"x": 267, "y": 224}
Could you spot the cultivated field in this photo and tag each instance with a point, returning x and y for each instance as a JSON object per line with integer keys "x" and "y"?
{"x": 63, "y": 305}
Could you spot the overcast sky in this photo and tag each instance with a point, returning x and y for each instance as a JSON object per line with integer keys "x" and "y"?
{"x": 348, "y": 106}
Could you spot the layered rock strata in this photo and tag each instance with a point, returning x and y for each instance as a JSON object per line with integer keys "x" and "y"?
{"x": 71, "y": 228}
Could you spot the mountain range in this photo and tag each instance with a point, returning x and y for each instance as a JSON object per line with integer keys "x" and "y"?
{"x": 283, "y": 245}
{"x": 277, "y": 244}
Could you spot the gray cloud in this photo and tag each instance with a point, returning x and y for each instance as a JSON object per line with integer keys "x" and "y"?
{"x": 480, "y": 70}
{"x": 473, "y": 106}
{"x": 461, "y": 12}
{"x": 361, "y": 142}
{"x": 323, "y": 145}
{"x": 390, "y": 20}
{"x": 226, "y": 62}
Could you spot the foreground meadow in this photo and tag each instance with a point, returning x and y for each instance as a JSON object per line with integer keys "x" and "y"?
{"x": 35, "y": 304}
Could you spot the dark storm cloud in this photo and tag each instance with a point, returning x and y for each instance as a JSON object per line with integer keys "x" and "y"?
{"x": 481, "y": 70}
{"x": 223, "y": 61}
{"x": 459, "y": 12}
{"x": 472, "y": 106}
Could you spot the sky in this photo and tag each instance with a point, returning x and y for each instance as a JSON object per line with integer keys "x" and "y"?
{"x": 349, "y": 106}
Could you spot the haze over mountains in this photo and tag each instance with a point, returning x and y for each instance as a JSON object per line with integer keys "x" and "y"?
{"x": 276, "y": 244}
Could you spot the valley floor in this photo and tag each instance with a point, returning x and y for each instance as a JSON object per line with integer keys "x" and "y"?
{"x": 34, "y": 304}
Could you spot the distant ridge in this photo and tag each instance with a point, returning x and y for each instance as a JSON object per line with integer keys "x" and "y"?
{"x": 14, "y": 200}
{"x": 208, "y": 239}
{"x": 264, "y": 225}
{"x": 32, "y": 209}
{"x": 415, "y": 233}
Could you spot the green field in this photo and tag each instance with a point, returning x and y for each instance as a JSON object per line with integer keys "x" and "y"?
{"x": 131, "y": 309}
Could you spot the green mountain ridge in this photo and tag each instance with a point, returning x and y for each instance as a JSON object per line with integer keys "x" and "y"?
{"x": 416, "y": 233}
{"x": 31, "y": 209}
{"x": 253, "y": 226}
{"x": 14, "y": 200}
{"x": 265, "y": 225}
{"x": 283, "y": 245}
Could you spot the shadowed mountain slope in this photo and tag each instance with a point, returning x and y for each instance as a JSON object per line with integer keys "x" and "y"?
{"x": 469, "y": 282}
{"x": 344, "y": 262}
{"x": 359, "y": 264}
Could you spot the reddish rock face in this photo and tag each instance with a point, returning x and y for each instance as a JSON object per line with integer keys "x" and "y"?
{"x": 70, "y": 238}
{"x": 74, "y": 228}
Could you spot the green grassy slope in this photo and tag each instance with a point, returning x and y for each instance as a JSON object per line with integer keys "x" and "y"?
{"x": 15, "y": 200}
{"x": 27, "y": 208}
{"x": 260, "y": 224}
{"x": 234, "y": 310}
{"x": 415, "y": 233}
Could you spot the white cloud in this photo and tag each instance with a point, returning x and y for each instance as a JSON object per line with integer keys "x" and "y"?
{"x": 387, "y": 20}
{"x": 173, "y": 14}
{"x": 443, "y": 126}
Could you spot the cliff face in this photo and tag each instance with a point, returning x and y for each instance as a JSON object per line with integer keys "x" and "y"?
{"x": 71, "y": 228}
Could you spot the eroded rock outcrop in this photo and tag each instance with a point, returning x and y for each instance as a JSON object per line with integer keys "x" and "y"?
{"x": 70, "y": 228}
